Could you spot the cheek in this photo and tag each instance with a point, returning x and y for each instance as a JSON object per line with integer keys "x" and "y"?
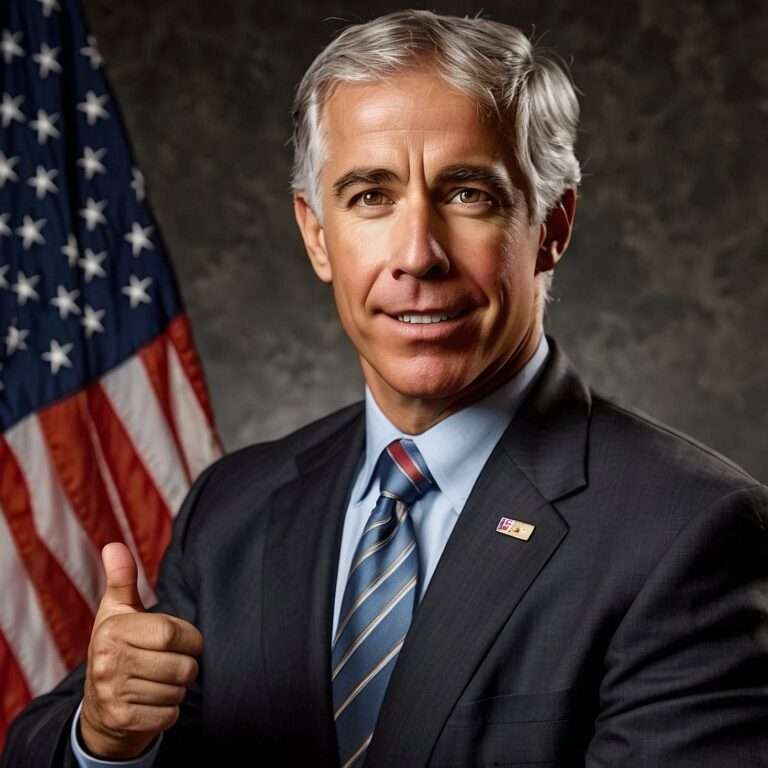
{"x": 491, "y": 266}
{"x": 507, "y": 282}
{"x": 352, "y": 289}
{"x": 354, "y": 265}
{"x": 517, "y": 266}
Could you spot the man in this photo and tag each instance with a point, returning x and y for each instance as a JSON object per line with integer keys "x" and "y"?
{"x": 559, "y": 581}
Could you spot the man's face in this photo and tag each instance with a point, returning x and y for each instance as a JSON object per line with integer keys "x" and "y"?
{"x": 426, "y": 240}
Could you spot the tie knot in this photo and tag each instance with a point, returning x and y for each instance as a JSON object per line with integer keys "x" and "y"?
{"x": 403, "y": 472}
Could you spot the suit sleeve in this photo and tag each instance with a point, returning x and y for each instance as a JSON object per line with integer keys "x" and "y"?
{"x": 39, "y": 736}
{"x": 686, "y": 678}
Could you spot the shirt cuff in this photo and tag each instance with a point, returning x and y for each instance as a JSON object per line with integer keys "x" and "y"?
{"x": 85, "y": 760}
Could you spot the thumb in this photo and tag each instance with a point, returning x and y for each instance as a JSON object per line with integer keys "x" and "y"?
{"x": 121, "y": 572}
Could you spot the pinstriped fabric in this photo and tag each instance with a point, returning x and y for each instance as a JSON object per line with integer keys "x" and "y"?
{"x": 378, "y": 601}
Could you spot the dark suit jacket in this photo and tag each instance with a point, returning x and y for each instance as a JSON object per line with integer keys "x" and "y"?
{"x": 630, "y": 630}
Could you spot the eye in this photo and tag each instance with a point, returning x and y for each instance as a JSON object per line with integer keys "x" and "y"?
{"x": 471, "y": 196}
{"x": 371, "y": 199}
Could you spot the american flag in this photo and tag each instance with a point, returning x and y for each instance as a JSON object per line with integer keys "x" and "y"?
{"x": 104, "y": 414}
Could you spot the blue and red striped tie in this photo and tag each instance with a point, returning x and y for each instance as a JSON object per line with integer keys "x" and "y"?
{"x": 379, "y": 600}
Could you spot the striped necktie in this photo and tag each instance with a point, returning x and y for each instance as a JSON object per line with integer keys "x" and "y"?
{"x": 379, "y": 600}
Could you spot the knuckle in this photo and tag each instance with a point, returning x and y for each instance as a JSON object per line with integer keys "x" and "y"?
{"x": 110, "y": 631}
{"x": 167, "y": 633}
{"x": 198, "y": 639}
{"x": 120, "y": 716}
{"x": 169, "y": 718}
{"x": 188, "y": 633}
{"x": 189, "y": 670}
{"x": 99, "y": 666}
{"x": 104, "y": 663}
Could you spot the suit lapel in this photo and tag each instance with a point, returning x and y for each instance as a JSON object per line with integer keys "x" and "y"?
{"x": 300, "y": 564}
{"x": 482, "y": 575}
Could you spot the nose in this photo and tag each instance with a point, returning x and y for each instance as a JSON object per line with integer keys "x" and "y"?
{"x": 416, "y": 249}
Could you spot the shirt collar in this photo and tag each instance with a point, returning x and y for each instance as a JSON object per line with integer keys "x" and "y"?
{"x": 456, "y": 448}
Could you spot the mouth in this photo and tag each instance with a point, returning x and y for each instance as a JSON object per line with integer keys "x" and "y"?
{"x": 426, "y": 318}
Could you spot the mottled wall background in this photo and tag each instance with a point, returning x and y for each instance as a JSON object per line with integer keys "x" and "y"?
{"x": 662, "y": 300}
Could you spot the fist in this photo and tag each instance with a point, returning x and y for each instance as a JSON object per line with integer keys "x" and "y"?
{"x": 138, "y": 669}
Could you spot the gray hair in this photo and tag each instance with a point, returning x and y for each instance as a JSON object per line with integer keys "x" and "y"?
{"x": 527, "y": 90}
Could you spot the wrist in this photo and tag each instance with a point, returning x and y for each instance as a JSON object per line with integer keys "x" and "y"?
{"x": 108, "y": 744}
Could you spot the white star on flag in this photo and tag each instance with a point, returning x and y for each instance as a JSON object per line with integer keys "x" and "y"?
{"x": 91, "y": 320}
{"x": 137, "y": 185}
{"x": 138, "y": 238}
{"x": 93, "y": 213}
{"x": 137, "y": 290}
{"x": 93, "y": 106}
{"x": 24, "y": 288}
{"x": 57, "y": 356}
{"x": 71, "y": 251}
{"x": 64, "y": 301}
{"x": 6, "y": 169}
{"x": 3, "y": 270}
{"x": 91, "y": 51}
{"x": 91, "y": 163}
{"x": 9, "y": 109}
{"x": 91, "y": 264}
{"x": 42, "y": 181}
{"x": 30, "y": 233}
{"x": 48, "y": 6}
{"x": 44, "y": 125}
{"x": 46, "y": 59}
{"x": 15, "y": 340}
{"x": 10, "y": 45}
{"x": 5, "y": 230}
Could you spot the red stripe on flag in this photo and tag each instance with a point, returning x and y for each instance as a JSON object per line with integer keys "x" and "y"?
{"x": 406, "y": 463}
{"x": 155, "y": 358}
{"x": 147, "y": 513}
{"x": 180, "y": 335}
{"x": 65, "y": 609}
{"x": 14, "y": 693}
{"x": 66, "y": 428}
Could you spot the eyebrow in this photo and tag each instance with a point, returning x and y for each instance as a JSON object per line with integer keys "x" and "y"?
{"x": 485, "y": 174}
{"x": 459, "y": 172}
{"x": 363, "y": 176}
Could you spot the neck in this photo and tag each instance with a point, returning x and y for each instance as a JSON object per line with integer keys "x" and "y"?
{"x": 413, "y": 415}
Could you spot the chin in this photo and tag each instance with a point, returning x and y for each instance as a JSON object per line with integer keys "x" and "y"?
{"x": 426, "y": 379}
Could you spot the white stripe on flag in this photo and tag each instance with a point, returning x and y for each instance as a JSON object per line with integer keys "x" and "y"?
{"x": 195, "y": 434}
{"x": 55, "y": 521}
{"x": 146, "y": 592}
{"x": 22, "y": 621}
{"x": 130, "y": 392}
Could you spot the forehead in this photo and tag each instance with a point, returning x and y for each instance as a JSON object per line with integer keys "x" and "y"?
{"x": 409, "y": 114}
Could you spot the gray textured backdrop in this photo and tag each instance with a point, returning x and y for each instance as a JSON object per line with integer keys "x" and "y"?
{"x": 662, "y": 300}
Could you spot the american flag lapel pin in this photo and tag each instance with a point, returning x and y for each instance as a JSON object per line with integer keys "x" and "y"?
{"x": 517, "y": 529}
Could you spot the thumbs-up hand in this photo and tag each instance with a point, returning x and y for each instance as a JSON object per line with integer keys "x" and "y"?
{"x": 138, "y": 669}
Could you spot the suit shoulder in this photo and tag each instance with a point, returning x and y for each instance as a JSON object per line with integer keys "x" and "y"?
{"x": 267, "y": 464}
{"x": 647, "y": 447}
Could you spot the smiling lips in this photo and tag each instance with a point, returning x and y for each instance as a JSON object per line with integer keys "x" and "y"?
{"x": 426, "y": 317}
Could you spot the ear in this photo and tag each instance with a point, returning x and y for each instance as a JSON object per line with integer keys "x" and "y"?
{"x": 555, "y": 234}
{"x": 314, "y": 238}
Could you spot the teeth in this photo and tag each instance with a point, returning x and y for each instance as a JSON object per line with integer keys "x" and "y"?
{"x": 413, "y": 318}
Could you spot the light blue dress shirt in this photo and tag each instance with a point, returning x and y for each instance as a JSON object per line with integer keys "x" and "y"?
{"x": 455, "y": 450}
